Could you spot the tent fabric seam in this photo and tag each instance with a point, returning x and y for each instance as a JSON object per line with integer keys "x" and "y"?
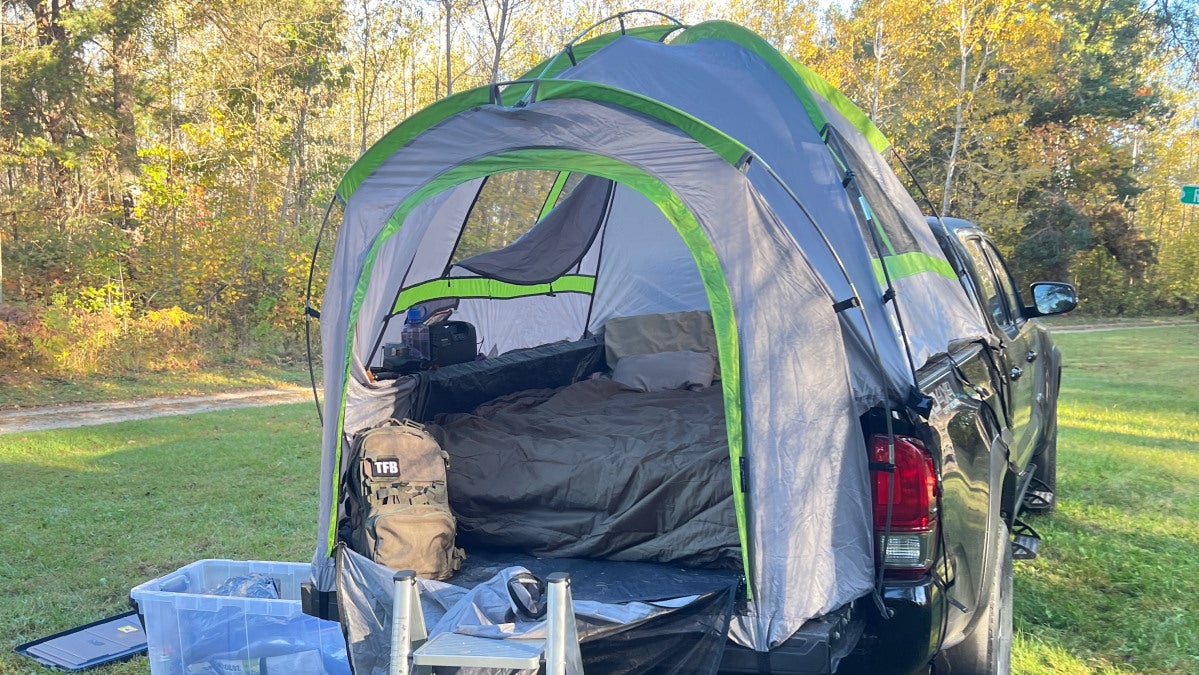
{"x": 754, "y": 43}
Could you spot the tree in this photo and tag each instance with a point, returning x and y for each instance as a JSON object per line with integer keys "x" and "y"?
{"x": 498, "y": 19}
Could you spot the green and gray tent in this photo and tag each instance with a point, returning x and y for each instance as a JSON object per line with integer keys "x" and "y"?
{"x": 662, "y": 170}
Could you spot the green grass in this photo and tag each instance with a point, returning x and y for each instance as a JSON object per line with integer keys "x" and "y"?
{"x": 1116, "y": 588}
{"x": 93, "y": 512}
{"x": 96, "y": 511}
{"x": 24, "y": 389}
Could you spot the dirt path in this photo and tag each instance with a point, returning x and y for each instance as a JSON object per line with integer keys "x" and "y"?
{"x": 1122, "y": 326}
{"x": 84, "y": 414}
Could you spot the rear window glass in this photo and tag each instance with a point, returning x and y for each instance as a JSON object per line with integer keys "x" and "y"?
{"x": 988, "y": 287}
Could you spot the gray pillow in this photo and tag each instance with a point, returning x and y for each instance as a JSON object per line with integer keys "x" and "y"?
{"x": 653, "y": 333}
{"x": 665, "y": 370}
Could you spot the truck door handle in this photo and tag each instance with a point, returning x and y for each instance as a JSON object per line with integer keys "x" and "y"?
{"x": 1016, "y": 373}
{"x": 1031, "y": 356}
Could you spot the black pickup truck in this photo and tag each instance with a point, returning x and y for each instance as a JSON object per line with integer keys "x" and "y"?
{"x": 979, "y": 452}
{"x": 985, "y": 452}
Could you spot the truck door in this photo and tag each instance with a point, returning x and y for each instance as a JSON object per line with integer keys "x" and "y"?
{"x": 1018, "y": 356}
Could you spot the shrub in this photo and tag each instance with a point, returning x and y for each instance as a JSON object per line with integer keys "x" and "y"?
{"x": 24, "y": 340}
{"x": 85, "y": 338}
{"x": 102, "y": 341}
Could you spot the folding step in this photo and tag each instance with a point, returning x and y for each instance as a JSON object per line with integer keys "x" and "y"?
{"x": 559, "y": 650}
{"x": 1025, "y": 541}
{"x": 452, "y": 649}
{"x": 1038, "y": 497}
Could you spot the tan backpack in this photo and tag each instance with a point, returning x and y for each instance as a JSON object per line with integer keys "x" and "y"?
{"x": 399, "y": 509}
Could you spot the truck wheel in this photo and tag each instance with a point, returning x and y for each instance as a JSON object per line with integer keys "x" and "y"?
{"x": 988, "y": 649}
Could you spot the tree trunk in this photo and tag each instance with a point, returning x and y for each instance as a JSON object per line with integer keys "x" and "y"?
{"x": 124, "y": 80}
{"x": 364, "y": 106}
{"x": 876, "y": 95}
{"x": 959, "y": 116}
{"x": 293, "y": 196}
{"x": 449, "y": 77}
{"x": 498, "y": 28}
{"x": 53, "y": 113}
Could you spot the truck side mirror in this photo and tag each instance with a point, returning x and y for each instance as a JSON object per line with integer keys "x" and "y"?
{"x": 1053, "y": 297}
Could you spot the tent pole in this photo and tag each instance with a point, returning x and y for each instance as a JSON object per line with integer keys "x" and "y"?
{"x": 620, "y": 17}
{"x": 959, "y": 266}
{"x": 310, "y": 313}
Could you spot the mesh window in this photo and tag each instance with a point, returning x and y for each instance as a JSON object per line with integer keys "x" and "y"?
{"x": 882, "y": 217}
{"x": 508, "y": 205}
{"x": 557, "y": 243}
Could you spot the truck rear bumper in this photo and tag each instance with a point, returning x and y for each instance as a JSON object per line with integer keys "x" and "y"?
{"x": 817, "y": 647}
{"x": 908, "y": 640}
{"x": 856, "y": 639}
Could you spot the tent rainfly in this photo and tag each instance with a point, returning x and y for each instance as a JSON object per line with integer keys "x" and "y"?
{"x": 661, "y": 170}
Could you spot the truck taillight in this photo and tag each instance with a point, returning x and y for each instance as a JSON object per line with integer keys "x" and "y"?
{"x": 910, "y": 541}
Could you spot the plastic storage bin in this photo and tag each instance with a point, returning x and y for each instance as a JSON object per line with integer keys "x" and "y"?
{"x": 190, "y": 632}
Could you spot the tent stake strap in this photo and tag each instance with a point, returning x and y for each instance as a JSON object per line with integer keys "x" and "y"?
{"x": 848, "y": 303}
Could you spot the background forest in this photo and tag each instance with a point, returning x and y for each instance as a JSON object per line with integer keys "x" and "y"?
{"x": 165, "y": 165}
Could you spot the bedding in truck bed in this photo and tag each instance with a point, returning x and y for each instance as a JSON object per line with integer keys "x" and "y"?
{"x": 595, "y": 470}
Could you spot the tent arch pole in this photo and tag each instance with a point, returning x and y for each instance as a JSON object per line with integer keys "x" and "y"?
{"x": 311, "y": 312}
{"x": 727, "y": 147}
{"x": 675, "y": 211}
{"x": 836, "y": 256}
{"x": 576, "y": 51}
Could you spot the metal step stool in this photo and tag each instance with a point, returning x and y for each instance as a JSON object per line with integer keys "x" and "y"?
{"x": 409, "y": 640}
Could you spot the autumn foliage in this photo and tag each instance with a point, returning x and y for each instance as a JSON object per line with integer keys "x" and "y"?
{"x": 165, "y": 167}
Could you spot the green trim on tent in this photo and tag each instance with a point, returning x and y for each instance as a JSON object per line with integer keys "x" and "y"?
{"x": 719, "y": 142}
{"x": 716, "y": 286}
{"x": 404, "y": 132}
{"x": 729, "y": 149}
{"x": 482, "y": 287}
{"x": 551, "y": 199}
{"x": 841, "y": 103}
{"x": 731, "y": 32}
{"x": 803, "y": 80}
{"x": 911, "y": 264}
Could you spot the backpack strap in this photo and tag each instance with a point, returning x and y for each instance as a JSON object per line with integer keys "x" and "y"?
{"x": 391, "y": 493}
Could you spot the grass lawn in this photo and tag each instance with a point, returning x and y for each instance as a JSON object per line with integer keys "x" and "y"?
{"x": 1076, "y": 320}
{"x": 1116, "y": 588}
{"x": 96, "y": 511}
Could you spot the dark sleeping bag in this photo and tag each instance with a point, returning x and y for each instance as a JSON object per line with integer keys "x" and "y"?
{"x": 595, "y": 470}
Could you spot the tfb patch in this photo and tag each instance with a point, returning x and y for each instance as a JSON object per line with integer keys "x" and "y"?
{"x": 385, "y": 467}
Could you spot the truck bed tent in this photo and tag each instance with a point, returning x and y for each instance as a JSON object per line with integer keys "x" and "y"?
{"x": 668, "y": 170}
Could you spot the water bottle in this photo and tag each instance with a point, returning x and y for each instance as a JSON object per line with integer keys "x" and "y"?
{"x": 416, "y": 333}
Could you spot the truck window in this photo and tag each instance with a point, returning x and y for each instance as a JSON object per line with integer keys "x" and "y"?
{"x": 1006, "y": 284}
{"x": 988, "y": 290}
